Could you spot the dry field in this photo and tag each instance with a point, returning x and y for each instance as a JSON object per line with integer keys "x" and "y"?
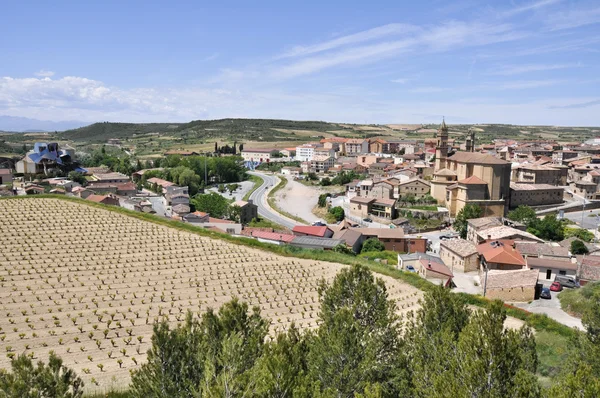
{"x": 88, "y": 283}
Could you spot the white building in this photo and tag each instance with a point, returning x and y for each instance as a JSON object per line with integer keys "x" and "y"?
{"x": 256, "y": 155}
{"x": 305, "y": 153}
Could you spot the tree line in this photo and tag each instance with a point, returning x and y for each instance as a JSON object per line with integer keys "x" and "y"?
{"x": 360, "y": 349}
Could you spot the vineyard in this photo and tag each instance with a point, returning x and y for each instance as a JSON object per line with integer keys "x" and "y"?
{"x": 88, "y": 284}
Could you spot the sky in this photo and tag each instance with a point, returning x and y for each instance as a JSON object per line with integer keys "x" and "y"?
{"x": 516, "y": 62}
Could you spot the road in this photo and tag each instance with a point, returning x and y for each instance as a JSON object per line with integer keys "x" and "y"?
{"x": 552, "y": 309}
{"x": 259, "y": 198}
{"x": 588, "y": 222}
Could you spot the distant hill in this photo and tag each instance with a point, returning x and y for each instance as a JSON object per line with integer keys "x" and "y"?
{"x": 27, "y": 125}
{"x": 101, "y": 132}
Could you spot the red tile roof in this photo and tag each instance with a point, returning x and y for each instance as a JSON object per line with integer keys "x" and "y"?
{"x": 501, "y": 252}
{"x": 310, "y": 230}
{"x": 436, "y": 267}
{"x": 218, "y": 220}
{"x": 473, "y": 180}
{"x": 287, "y": 238}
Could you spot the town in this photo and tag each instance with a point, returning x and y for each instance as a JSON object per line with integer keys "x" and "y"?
{"x": 473, "y": 217}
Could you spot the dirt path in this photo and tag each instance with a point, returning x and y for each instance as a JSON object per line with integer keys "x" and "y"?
{"x": 298, "y": 199}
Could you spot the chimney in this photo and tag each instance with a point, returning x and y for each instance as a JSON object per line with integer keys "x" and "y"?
{"x": 429, "y": 264}
{"x": 250, "y": 201}
{"x": 489, "y": 237}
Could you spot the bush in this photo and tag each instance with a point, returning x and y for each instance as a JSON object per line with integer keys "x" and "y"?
{"x": 372, "y": 245}
{"x": 578, "y": 247}
{"x": 325, "y": 182}
{"x": 342, "y": 248}
{"x": 338, "y": 213}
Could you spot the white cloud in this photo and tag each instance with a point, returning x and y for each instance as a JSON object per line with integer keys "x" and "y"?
{"x": 510, "y": 70}
{"x": 573, "y": 18}
{"x": 44, "y": 73}
{"x": 427, "y": 90}
{"x": 400, "y": 81}
{"x": 360, "y": 37}
{"x": 529, "y": 7}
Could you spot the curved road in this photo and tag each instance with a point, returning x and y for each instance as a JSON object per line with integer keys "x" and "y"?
{"x": 259, "y": 198}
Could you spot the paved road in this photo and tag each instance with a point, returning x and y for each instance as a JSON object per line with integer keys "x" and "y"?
{"x": 259, "y": 197}
{"x": 588, "y": 222}
{"x": 552, "y": 309}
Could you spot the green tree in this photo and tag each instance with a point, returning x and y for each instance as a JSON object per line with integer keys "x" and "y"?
{"x": 358, "y": 343}
{"x": 548, "y": 228}
{"x": 203, "y": 358}
{"x": 338, "y": 213}
{"x": 523, "y": 214}
{"x": 235, "y": 213}
{"x": 579, "y": 233}
{"x": 29, "y": 381}
{"x": 212, "y": 203}
{"x": 325, "y": 182}
{"x": 466, "y": 213}
{"x": 578, "y": 247}
{"x": 322, "y": 202}
{"x": 342, "y": 248}
{"x": 372, "y": 245}
{"x": 77, "y": 177}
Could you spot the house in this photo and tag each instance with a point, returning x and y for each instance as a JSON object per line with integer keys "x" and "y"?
{"x": 516, "y": 286}
{"x": 159, "y": 182}
{"x": 305, "y": 153}
{"x": 360, "y": 206}
{"x": 476, "y": 225}
{"x": 58, "y": 191}
{"x": 535, "y": 195}
{"x": 383, "y": 208}
{"x": 384, "y": 189}
{"x": 460, "y": 254}
{"x": 110, "y": 177}
{"x": 415, "y": 186}
{"x": 352, "y": 237}
{"x": 505, "y": 232}
{"x": 500, "y": 255}
{"x": 291, "y": 171}
{"x": 122, "y": 189}
{"x": 248, "y": 211}
{"x": 315, "y": 242}
{"x": 543, "y": 250}
{"x": 256, "y": 155}
{"x": 429, "y": 269}
{"x": 179, "y": 210}
{"x": 540, "y": 174}
{"x": 175, "y": 195}
{"x": 33, "y": 189}
{"x": 6, "y": 176}
{"x": 305, "y": 230}
{"x": 589, "y": 269}
{"x": 356, "y": 146}
{"x": 272, "y": 237}
{"x": 394, "y": 239}
{"x": 104, "y": 199}
{"x": 140, "y": 173}
{"x": 414, "y": 260}
{"x": 549, "y": 268}
{"x": 197, "y": 217}
{"x": 81, "y": 192}
{"x": 321, "y": 164}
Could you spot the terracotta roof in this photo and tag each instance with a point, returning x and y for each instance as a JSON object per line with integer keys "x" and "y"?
{"x": 249, "y": 150}
{"x": 219, "y": 221}
{"x": 97, "y": 198}
{"x": 477, "y": 158}
{"x": 240, "y": 203}
{"x": 5, "y": 172}
{"x": 535, "y": 262}
{"x": 385, "y": 202}
{"x": 437, "y": 267}
{"x": 541, "y": 249}
{"x": 445, "y": 172}
{"x": 459, "y": 246}
{"x": 350, "y": 236}
{"x": 506, "y": 232}
{"x": 501, "y": 253}
{"x": 477, "y": 223}
{"x": 386, "y": 233}
{"x": 361, "y": 200}
{"x": 589, "y": 269}
{"x": 497, "y": 279}
{"x": 473, "y": 180}
{"x": 273, "y": 236}
{"x": 160, "y": 181}
{"x": 310, "y": 230}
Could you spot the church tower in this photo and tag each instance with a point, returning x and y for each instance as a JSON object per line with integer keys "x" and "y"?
{"x": 441, "y": 152}
{"x": 470, "y": 143}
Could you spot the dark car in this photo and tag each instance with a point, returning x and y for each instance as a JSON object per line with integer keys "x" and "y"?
{"x": 447, "y": 236}
{"x": 410, "y": 268}
{"x": 556, "y": 287}
{"x": 546, "y": 293}
{"x": 367, "y": 220}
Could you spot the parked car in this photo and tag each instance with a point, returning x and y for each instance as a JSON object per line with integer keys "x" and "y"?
{"x": 367, "y": 220}
{"x": 448, "y": 236}
{"x": 410, "y": 268}
{"x": 556, "y": 287}
{"x": 546, "y": 294}
{"x": 566, "y": 281}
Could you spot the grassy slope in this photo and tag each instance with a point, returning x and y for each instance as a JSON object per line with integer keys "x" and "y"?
{"x": 577, "y": 301}
{"x": 552, "y": 337}
{"x": 257, "y": 182}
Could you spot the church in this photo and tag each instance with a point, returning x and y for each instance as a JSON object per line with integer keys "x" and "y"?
{"x": 468, "y": 177}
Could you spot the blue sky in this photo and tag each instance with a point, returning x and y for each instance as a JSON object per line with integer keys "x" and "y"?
{"x": 521, "y": 62}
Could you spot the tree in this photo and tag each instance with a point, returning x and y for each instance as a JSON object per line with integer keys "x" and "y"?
{"x": 357, "y": 344}
{"x": 337, "y": 212}
{"x": 372, "y": 245}
{"x": 322, "y": 202}
{"x": 578, "y": 247}
{"x": 466, "y": 213}
{"x": 216, "y": 147}
{"x": 212, "y": 203}
{"x": 325, "y": 182}
{"x": 342, "y": 248}
{"x": 548, "y": 228}
{"x": 29, "y": 381}
{"x": 579, "y": 233}
{"x": 523, "y": 214}
{"x": 77, "y": 177}
{"x": 203, "y": 358}
{"x": 235, "y": 213}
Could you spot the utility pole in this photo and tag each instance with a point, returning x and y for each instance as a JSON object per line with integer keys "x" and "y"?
{"x": 485, "y": 281}
{"x": 582, "y": 211}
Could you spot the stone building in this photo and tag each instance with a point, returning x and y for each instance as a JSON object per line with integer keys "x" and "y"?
{"x": 535, "y": 194}
{"x": 470, "y": 178}
{"x": 540, "y": 174}
{"x": 415, "y": 186}
{"x": 516, "y": 286}
{"x": 459, "y": 254}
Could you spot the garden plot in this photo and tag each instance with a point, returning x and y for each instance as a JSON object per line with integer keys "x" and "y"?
{"x": 88, "y": 284}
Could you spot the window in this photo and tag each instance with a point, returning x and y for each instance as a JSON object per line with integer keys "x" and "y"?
{"x": 230, "y": 230}
{"x": 562, "y": 272}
